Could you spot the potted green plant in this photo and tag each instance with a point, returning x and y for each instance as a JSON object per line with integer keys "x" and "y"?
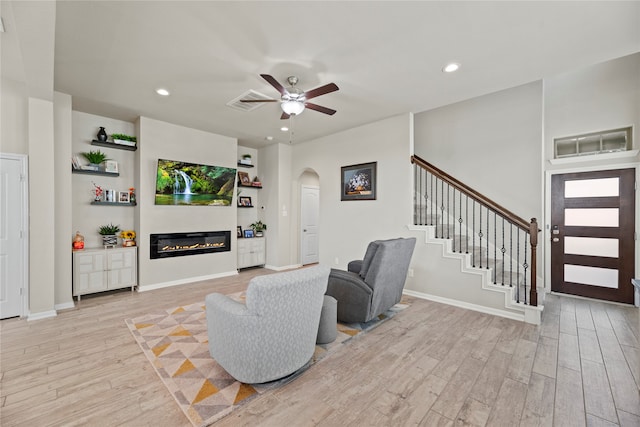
{"x": 95, "y": 158}
{"x": 108, "y": 233}
{"x": 124, "y": 139}
{"x": 258, "y": 227}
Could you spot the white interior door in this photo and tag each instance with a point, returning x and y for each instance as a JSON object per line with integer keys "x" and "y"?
{"x": 309, "y": 213}
{"x": 12, "y": 252}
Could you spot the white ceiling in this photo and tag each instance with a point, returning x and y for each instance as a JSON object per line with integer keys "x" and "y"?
{"x": 386, "y": 57}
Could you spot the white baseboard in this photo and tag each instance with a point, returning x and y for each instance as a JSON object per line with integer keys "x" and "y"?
{"x": 467, "y": 305}
{"x": 64, "y": 305}
{"x": 42, "y": 315}
{"x": 144, "y": 288}
{"x": 285, "y": 267}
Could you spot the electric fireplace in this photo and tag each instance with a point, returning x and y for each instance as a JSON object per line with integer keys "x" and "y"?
{"x": 183, "y": 244}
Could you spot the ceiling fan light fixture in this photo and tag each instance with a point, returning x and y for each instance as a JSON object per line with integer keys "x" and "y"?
{"x": 292, "y": 108}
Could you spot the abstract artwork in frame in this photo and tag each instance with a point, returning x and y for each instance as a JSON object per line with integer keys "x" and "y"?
{"x": 358, "y": 182}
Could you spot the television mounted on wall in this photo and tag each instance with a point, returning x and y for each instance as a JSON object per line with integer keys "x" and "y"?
{"x": 191, "y": 184}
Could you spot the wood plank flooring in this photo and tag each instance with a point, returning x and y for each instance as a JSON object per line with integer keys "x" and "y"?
{"x": 431, "y": 365}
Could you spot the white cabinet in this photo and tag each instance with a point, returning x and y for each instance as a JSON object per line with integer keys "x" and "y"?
{"x": 251, "y": 252}
{"x": 97, "y": 270}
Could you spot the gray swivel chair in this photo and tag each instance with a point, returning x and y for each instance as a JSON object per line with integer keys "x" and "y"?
{"x": 374, "y": 284}
{"x": 274, "y": 333}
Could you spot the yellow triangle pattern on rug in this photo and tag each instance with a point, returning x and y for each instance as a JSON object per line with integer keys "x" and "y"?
{"x": 175, "y": 342}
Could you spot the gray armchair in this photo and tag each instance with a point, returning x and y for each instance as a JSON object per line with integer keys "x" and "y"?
{"x": 374, "y": 284}
{"x": 274, "y": 333}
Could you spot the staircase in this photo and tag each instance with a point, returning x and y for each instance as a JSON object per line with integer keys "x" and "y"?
{"x": 490, "y": 242}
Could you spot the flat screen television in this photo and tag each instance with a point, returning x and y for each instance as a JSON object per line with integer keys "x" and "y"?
{"x": 182, "y": 183}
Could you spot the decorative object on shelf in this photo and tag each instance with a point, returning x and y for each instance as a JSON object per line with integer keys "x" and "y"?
{"x": 358, "y": 182}
{"x": 128, "y": 238}
{"x": 256, "y": 182}
{"x": 95, "y": 158}
{"x": 258, "y": 227}
{"x": 123, "y": 197}
{"x": 102, "y": 135}
{"x": 110, "y": 196}
{"x": 248, "y": 234}
{"x": 108, "y": 233}
{"x": 111, "y": 166}
{"x": 123, "y": 139}
{"x": 132, "y": 195}
{"x": 78, "y": 241}
{"x": 245, "y": 160}
{"x": 97, "y": 192}
{"x": 244, "y": 202}
{"x": 239, "y": 228}
{"x": 244, "y": 179}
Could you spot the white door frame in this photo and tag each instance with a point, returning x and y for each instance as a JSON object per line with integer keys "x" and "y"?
{"x": 23, "y": 159}
{"x": 546, "y": 236}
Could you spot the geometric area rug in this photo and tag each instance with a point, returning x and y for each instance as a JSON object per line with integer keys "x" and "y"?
{"x": 175, "y": 342}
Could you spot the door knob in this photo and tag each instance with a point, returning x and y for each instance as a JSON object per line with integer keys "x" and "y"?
{"x": 555, "y": 239}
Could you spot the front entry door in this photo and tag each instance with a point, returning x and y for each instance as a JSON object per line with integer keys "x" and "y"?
{"x": 592, "y": 234}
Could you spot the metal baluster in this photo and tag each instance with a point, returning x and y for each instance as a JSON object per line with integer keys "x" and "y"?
{"x": 503, "y": 250}
{"x": 518, "y": 261}
{"x": 432, "y": 200}
{"x": 525, "y": 266}
{"x": 488, "y": 231}
{"x": 415, "y": 197}
{"x": 460, "y": 223}
{"x": 442, "y": 209}
{"x": 511, "y": 253}
{"x": 480, "y": 235}
{"x": 473, "y": 233}
{"x": 453, "y": 212}
{"x": 466, "y": 223}
{"x": 448, "y": 189}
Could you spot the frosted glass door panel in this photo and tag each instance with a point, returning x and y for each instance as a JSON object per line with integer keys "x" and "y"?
{"x": 591, "y": 246}
{"x": 595, "y": 276}
{"x": 596, "y": 217}
{"x": 603, "y": 187}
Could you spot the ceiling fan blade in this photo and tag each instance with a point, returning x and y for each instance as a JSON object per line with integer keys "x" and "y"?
{"x": 273, "y": 82}
{"x": 259, "y": 100}
{"x": 328, "y": 88}
{"x": 284, "y": 116}
{"x": 320, "y": 108}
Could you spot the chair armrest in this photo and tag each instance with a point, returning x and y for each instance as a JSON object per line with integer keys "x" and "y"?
{"x": 353, "y": 294}
{"x": 355, "y": 266}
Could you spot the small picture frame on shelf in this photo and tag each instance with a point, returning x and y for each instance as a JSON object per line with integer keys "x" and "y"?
{"x": 239, "y": 228}
{"x": 248, "y": 234}
{"x": 244, "y": 201}
{"x": 111, "y": 166}
{"x": 123, "y": 197}
{"x": 244, "y": 179}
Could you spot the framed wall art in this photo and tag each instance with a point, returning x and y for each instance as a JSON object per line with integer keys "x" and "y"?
{"x": 358, "y": 182}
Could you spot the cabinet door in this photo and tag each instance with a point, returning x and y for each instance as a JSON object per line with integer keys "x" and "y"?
{"x": 259, "y": 252}
{"x": 89, "y": 274}
{"x": 121, "y": 268}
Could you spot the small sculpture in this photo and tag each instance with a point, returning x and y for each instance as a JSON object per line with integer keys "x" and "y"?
{"x": 78, "y": 241}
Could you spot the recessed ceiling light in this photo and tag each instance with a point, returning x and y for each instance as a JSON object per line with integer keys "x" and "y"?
{"x": 284, "y": 128}
{"x": 162, "y": 92}
{"x": 450, "y": 68}
{"x": 269, "y": 138}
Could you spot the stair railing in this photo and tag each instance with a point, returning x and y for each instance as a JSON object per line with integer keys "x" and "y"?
{"x": 478, "y": 226}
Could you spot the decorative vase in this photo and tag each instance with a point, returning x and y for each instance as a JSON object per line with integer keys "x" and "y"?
{"x": 102, "y": 135}
{"x": 128, "y": 242}
{"x": 109, "y": 240}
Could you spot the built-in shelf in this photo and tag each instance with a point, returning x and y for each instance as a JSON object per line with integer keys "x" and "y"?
{"x": 240, "y": 206}
{"x": 114, "y": 203}
{"x": 114, "y": 145}
{"x": 91, "y": 172}
{"x": 244, "y": 166}
{"x": 249, "y": 186}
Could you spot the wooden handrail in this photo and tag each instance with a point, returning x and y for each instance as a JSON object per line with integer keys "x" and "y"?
{"x": 465, "y": 189}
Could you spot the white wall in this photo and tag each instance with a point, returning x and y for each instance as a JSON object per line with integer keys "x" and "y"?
{"x": 592, "y": 99}
{"x": 63, "y": 200}
{"x": 13, "y": 117}
{"x": 87, "y": 218}
{"x": 160, "y": 140}
{"x": 346, "y": 227}
{"x": 492, "y": 143}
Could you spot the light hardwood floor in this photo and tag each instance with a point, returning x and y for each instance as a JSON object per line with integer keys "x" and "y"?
{"x": 431, "y": 365}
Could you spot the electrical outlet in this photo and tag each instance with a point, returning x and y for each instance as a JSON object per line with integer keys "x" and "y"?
{"x": 411, "y": 272}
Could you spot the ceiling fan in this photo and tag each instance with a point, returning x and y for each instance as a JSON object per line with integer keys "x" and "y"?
{"x": 293, "y": 100}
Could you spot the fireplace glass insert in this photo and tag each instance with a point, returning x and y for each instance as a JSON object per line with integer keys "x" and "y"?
{"x": 183, "y": 244}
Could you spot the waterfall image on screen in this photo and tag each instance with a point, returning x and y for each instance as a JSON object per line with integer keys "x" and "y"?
{"x": 181, "y": 183}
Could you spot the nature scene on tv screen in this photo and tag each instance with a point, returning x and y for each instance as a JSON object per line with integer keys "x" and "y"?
{"x": 181, "y": 183}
